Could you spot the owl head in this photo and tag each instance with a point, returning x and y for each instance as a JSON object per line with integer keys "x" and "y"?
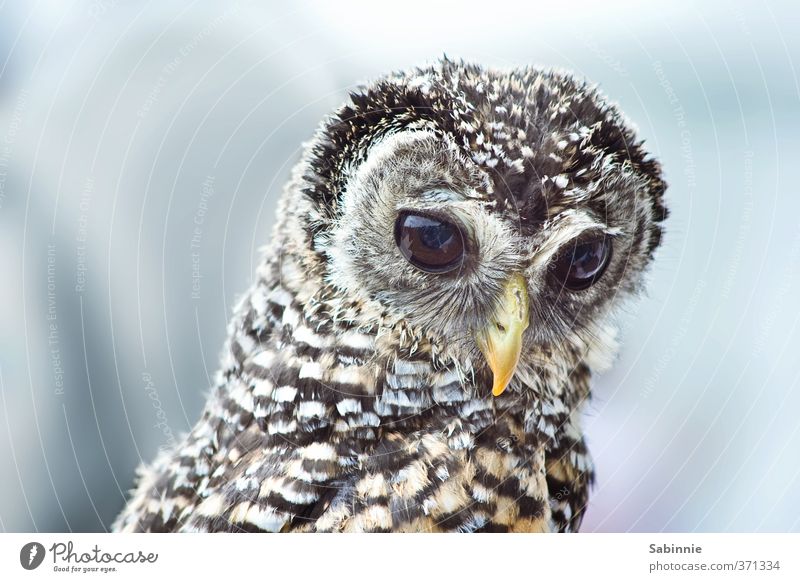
{"x": 492, "y": 218}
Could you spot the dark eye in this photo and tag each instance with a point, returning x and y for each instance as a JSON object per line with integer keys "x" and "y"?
{"x": 429, "y": 243}
{"x": 582, "y": 264}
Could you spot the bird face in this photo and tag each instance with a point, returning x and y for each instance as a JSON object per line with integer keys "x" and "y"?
{"x": 498, "y": 216}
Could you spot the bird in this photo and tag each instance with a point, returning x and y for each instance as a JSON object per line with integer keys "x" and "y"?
{"x": 416, "y": 350}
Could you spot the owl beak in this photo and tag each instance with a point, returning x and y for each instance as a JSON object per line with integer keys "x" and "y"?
{"x": 501, "y": 340}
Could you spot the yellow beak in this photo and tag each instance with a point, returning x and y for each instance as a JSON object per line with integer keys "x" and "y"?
{"x": 501, "y": 340}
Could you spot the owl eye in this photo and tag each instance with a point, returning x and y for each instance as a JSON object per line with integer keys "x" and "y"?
{"x": 429, "y": 243}
{"x": 582, "y": 265}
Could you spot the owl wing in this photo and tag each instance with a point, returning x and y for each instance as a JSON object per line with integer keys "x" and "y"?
{"x": 253, "y": 494}
{"x": 161, "y": 495}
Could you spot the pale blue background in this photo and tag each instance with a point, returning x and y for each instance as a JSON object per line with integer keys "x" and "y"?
{"x": 695, "y": 428}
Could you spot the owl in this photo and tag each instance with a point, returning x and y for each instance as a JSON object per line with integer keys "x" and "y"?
{"x": 415, "y": 352}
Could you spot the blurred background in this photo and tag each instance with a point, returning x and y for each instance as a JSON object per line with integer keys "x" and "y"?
{"x": 142, "y": 149}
